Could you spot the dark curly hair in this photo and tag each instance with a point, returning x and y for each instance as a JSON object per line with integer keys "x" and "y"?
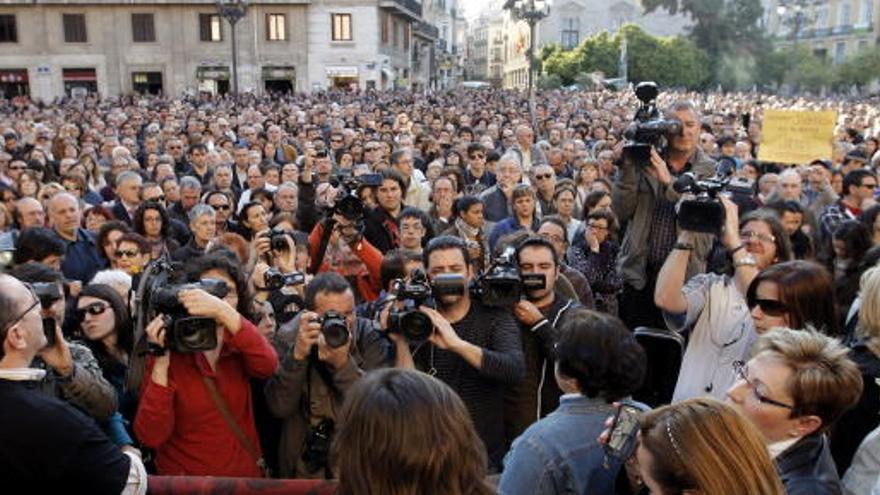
{"x": 138, "y": 220}
{"x": 599, "y": 352}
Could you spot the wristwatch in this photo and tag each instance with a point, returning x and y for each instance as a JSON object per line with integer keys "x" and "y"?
{"x": 747, "y": 260}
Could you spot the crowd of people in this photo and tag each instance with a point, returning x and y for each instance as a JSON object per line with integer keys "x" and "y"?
{"x": 436, "y": 293}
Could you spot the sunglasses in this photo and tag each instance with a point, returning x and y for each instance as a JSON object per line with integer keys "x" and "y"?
{"x": 93, "y": 309}
{"x": 543, "y": 176}
{"x": 17, "y": 167}
{"x": 769, "y": 307}
{"x": 478, "y": 157}
{"x": 125, "y": 254}
{"x": 220, "y": 207}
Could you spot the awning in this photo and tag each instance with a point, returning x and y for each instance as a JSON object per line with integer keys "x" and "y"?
{"x": 87, "y": 75}
{"x": 216, "y": 73}
{"x": 14, "y": 76}
{"x": 342, "y": 71}
{"x": 279, "y": 73}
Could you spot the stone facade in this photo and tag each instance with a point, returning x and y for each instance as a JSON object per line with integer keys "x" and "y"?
{"x": 281, "y": 46}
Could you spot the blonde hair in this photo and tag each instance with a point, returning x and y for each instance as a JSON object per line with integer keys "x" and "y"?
{"x": 824, "y": 381}
{"x": 706, "y": 446}
{"x": 869, "y": 312}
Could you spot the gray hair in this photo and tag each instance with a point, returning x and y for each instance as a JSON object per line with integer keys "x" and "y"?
{"x": 127, "y": 176}
{"x": 287, "y": 185}
{"x": 201, "y": 209}
{"x": 189, "y": 182}
{"x": 117, "y": 279}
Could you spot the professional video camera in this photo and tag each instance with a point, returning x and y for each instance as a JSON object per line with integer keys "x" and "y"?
{"x": 502, "y": 284}
{"x": 276, "y": 280}
{"x": 348, "y": 204}
{"x": 158, "y": 294}
{"x": 185, "y": 333}
{"x": 648, "y": 129}
{"x": 705, "y": 213}
{"x": 408, "y": 321}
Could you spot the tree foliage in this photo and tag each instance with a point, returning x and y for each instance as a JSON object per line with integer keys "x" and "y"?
{"x": 648, "y": 58}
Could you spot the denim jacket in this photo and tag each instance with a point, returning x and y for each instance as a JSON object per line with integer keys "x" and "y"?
{"x": 561, "y": 454}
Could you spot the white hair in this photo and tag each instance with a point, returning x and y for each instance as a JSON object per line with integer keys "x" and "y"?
{"x": 118, "y": 279}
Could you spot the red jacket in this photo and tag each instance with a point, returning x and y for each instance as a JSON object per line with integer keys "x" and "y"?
{"x": 181, "y": 421}
{"x": 369, "y": 286}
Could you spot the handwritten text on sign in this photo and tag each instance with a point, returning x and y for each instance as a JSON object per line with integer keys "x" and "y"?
{"x": 797, "y": 137}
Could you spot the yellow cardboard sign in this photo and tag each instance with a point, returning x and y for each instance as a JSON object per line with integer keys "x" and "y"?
{"x": 797, "y": 137}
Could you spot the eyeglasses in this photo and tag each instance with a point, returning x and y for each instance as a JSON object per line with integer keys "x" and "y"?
{"x": 742, "y": 371}
{"x": 478, "y": 156}
{"x": 25, "y": 312}
{"x": 17, "y": 167}
{"x": 869, "y": 186}
{"x": 543, "y": 176}
{"x": 769, "y": 307}
{"x": 93, "y": 309}
{"x": 748, "y": 235}
{"x": 553, "y": 238}
{"x": 596, "y": 226}
{"x": 220, "y": 207}
{"x": 125, "y": 254}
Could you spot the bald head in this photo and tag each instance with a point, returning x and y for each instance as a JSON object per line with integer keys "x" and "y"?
{"x": 64, "y": 215}
{"x": 21, "y": 327}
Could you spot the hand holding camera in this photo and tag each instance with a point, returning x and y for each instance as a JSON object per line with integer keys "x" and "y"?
{"x": 444, "y": 336}
{"x": 56, "y": 354}
{"x": 659, "y": 170}
{"x": 329, "y": 332}
{"x": 527, "y": 313}
{"x": 730, "y": 237}
{"x": 307, "y": 336}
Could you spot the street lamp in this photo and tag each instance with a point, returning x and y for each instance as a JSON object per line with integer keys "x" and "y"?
{"x": 233, "y": 11}
{"x": 531, "y": 11}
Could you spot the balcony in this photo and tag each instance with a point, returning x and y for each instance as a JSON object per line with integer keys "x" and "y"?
{"x": 409, "y": 8}
{"x": 425, "y": 30}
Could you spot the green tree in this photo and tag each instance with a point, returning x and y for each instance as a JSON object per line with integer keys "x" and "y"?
{"x": 601, "y": 53}
{"x": 859, "y": 70}
{"x": 562, "y": 64}
{"x": 720, "y": 27}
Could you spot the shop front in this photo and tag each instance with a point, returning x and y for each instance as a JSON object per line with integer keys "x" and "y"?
{"x": 79, "y": 81}
{"x": 213, "y": 79}
{"x": 146, "y": 83}
{"x": 343, "y": 77}
{"x": 279, "y": 79}
{"x": 14, "y": 82}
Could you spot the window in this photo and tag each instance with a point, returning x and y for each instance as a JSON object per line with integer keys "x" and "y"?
{"x": 74, "y": 28}
{"x": 395, "y": 33}
{"x": 210, "y": 27}
{"x": 570, "y": 32}
{"x": 384, "y": 20}
{"x": 276, "y": 27}
{"x": 843, "y": 20}
{"x": 839, "y": 52}
{"x": 822, "y": 17}
{"x": 406, "y": 31}
{"x": 142, "y": 28}
{"x": 867, "y": 14}
{"x": 341, "y": 27}
{"x": 8, "y": 30}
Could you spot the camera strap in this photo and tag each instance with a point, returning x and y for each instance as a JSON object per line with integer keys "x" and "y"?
{"x": 233, "y": 425}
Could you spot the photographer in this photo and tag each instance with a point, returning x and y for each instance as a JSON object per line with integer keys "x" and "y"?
{"x": 349, "y": 254}
{"x": 539, "y": 314}
{"x": 179, "y": 414}
{"x": 715, "y": 305}
{"x": 644, "y": 200}
{"x": 474, "y": 348}
{"x": 328, "y": 350}
{"x": 278, "y": 281}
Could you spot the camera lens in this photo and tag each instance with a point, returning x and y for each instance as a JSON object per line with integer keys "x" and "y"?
{"x": 416, "y": 326}
{"x": 335, "y": 330}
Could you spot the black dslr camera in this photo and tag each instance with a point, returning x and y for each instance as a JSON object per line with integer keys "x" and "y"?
{"x": 347, "y": 203}
{"x": 408, "y": 321}
{"x": 705, "y": 213}
{"x": 185, "y": 333}
{"x": 502, "y": 284}
{"x": 648, "y": 129}
{"x": 278, "y": 238}
{"x": 334, "y": 327}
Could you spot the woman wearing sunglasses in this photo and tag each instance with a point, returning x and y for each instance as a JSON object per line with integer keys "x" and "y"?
{"x": 793, "y": 294}
{"x": 104, "y": 325}
{"x": 714, "y": 305}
